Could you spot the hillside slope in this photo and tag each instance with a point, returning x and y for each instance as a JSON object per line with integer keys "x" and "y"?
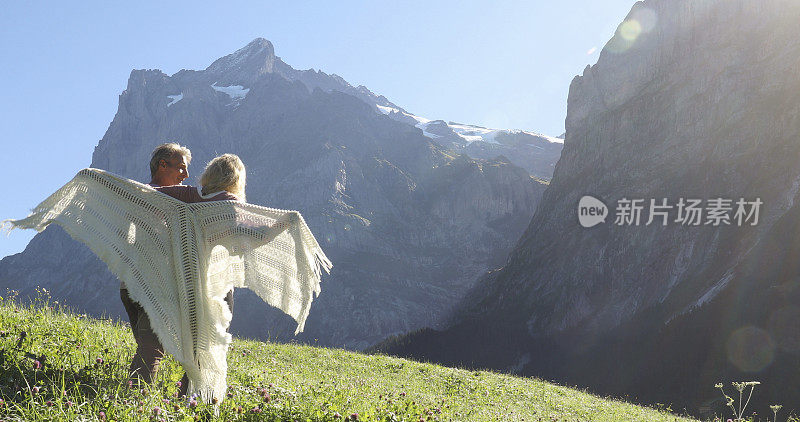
{"x": 79, "y": 366}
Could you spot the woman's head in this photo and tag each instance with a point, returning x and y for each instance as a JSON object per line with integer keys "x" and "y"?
{"x": 224, "y": 173}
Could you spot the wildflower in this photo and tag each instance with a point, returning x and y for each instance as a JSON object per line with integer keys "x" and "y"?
{"x": 157, "y": 411}
{"x": 69, "y": 404}
{"x": 130, "y": 384}
{"x": 230, "y": 395}
{"x": 35, "y": 390}
{"x": 192, "y": 403}
{"x": 775, "y": 408}
{"x": 99, "y": 360}
{"x": 239, "y": 409}
{"x": 354, "y": 417}
{"x": 37, "y": 364}
{"x": 101, "y": 416}
{"x": 178, "y": 384}
{"x": 740, "y": 386}
{"x": 214, "y": 400}
{"x": 165, "y": 401}
{"x": 336, "y": 415}
{"x": 256, "y": 410}
{"x": 49, "y": 403}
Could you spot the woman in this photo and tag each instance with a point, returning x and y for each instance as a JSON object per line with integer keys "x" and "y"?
{"x": 223, "y": 179}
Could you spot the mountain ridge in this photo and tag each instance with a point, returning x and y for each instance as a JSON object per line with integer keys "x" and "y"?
{"x": 408, "y": 224}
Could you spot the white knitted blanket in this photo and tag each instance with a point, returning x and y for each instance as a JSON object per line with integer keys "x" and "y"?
{"x": 178, "y": 261}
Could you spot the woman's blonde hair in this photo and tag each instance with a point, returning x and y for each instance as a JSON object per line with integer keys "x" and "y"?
{"x": 224, "y": 173}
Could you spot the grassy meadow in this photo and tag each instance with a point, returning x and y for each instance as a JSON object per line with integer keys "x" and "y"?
{"x": 59, "y": 365}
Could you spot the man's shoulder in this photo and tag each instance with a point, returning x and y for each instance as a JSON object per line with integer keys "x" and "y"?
{"x": 182, "y": 192}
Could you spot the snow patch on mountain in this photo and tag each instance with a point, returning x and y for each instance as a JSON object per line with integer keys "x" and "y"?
{"x": 469, "y": 133}
{"x": 236, "y": 92}
{"x": 174, "y": 98}
{"x": 387, "y": 110}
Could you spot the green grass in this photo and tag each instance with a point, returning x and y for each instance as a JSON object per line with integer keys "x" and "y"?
{"x": 283, "y": 382}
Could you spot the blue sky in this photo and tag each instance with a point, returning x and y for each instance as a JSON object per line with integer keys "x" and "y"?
{"x": 502, "y": 64}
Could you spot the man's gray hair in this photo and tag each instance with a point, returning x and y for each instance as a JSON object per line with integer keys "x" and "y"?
{"x": 166, "y": 152}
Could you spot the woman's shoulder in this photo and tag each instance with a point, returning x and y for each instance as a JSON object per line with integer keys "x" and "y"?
{"x": 217, "y": 196}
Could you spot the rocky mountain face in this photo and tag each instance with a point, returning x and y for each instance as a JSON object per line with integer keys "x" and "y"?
{"x": 408, "y": 225}
{"x": 690, "y": 99}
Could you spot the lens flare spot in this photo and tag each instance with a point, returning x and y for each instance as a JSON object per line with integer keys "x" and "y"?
{"x": 750, "y": 349}
{"x": 630, "y": 30}
{"x": 591, "y": 51}
{"x": 330, "y": 238}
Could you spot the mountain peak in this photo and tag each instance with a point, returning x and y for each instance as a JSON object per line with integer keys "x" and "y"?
{"x": 247, "y": 63}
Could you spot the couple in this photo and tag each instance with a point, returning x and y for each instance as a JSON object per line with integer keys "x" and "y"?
{"x": 179, "y": 251}
{"x": 223, "y": 179}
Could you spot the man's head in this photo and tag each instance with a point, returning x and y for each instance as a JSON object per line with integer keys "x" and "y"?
{"x": 168, "y": 164}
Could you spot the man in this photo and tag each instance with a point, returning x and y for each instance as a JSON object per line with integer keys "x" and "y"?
{"x": 168, "y": 166}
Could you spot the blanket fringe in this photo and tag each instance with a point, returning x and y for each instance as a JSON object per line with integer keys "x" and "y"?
{"x": 6, "y": 226}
